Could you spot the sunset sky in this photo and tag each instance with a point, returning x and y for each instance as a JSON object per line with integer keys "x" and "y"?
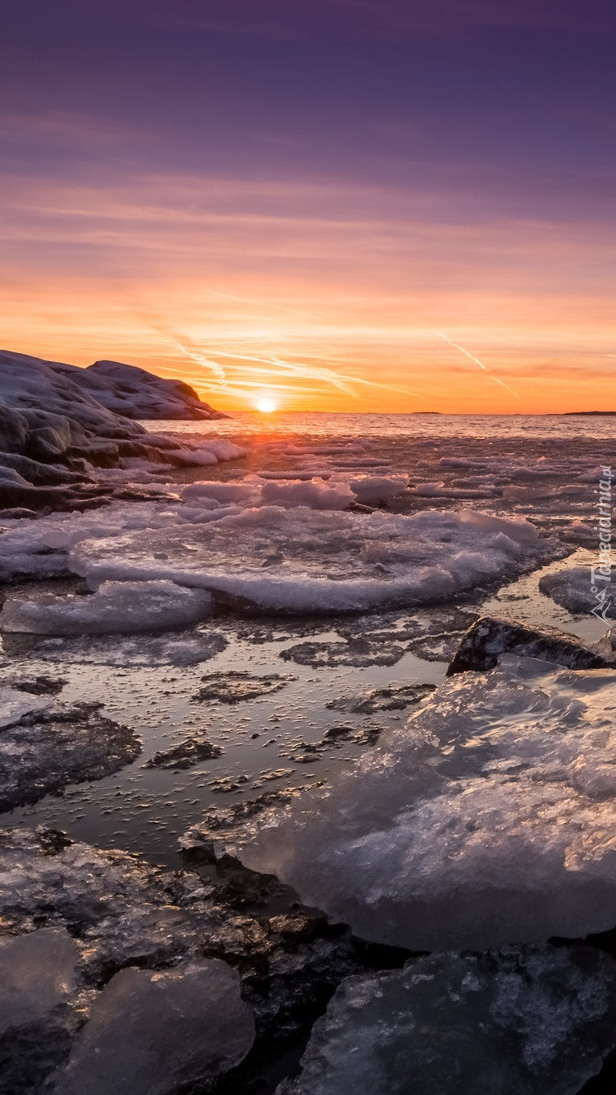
{"x": 352, "y": 205}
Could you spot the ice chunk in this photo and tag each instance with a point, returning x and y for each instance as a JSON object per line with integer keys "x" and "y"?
{"x": 576, "y": 590}
{"x": 539, "y": 1022}
{"x": 36, "y": 974}
{"x": 220, "y": 492}
{"x": 115, "y": 607}
{"x": 14, "y": 704}
{"x": 372, "y": 489}
{"x": 488, "y": 818}
{"x": 176, "y": 649}
{"x": 150, "y": 1033}
{"x": 303, "y": 560}
{"x": 314, "y": 494}
{"x": 489, "y": 637}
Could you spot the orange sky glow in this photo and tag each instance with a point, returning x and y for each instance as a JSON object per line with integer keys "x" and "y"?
{"x": 321, "y": 296}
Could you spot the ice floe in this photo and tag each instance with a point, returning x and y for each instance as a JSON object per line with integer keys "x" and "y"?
{"x": 37, "y": 973}
{"x": 538, "y": 1021}
{"x": 488, "y": 818}
{"x": 372, "y": 489}
{"x": 301, "y": 560}
{"x": 314, "y": 494}
{"x": 580, "y": 590}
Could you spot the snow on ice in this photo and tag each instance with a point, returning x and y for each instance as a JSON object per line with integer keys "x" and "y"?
{"x": 488, "y": 818}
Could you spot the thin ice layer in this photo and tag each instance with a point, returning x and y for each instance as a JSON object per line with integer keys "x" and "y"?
{"x": 489, "y": 818}
{"x": 301, "y": 560}
{"x": 538, "y": 1022}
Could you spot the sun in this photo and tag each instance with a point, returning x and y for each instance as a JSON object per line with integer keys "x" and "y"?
{"x": 265, "y": 404}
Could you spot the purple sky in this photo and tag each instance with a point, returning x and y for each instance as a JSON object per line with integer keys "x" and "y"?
{"x": 467, "y": 116}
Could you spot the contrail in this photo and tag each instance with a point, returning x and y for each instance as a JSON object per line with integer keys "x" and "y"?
{"x": 260, "y": 303}
{"x": 481, "y": 365}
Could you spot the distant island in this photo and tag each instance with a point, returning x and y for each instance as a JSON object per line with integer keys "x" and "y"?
{"x": 589, "y": 412}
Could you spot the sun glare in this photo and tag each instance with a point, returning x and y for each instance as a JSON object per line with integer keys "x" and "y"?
{"x": 265, "y": 405}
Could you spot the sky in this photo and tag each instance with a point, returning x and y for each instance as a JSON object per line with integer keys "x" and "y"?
{"x": 339, "y": 205}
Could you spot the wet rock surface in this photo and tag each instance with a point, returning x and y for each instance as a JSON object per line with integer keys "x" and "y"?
{"x": 490, "y": 637}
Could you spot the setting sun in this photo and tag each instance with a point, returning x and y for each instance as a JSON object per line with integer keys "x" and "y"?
{"x": 265, "y": 405}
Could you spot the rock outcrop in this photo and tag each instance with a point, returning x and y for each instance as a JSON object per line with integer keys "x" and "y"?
{"x": 136, "y": 393}
{"x": 59, "y": 426}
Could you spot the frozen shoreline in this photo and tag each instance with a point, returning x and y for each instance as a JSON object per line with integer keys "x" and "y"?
{"x": 238, "y": 701}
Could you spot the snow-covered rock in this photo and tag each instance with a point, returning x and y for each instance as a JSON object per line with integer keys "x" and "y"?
{"x": 539, "y": 1021}
{"x": 136, "y": 393}
{"x": 489, "y": 637}
{"x": 489, "y": 818}
{"x": 150, "y": 1033}
{"x": 55, "y": 432}
{"x": 116, "y": 607}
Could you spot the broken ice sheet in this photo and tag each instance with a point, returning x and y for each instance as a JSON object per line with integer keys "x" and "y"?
{"x": 573, "y": 589}
{"x": 37, "y": 972}
{"x": 538, "y": 1021}
{"x": 488, "y": 818}
{"x": 45, "y": 745}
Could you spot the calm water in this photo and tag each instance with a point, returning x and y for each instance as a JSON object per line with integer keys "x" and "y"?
{"x": 561, "y": 427}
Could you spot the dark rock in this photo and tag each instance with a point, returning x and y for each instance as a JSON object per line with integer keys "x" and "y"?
{"x": 489, "y": 637}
